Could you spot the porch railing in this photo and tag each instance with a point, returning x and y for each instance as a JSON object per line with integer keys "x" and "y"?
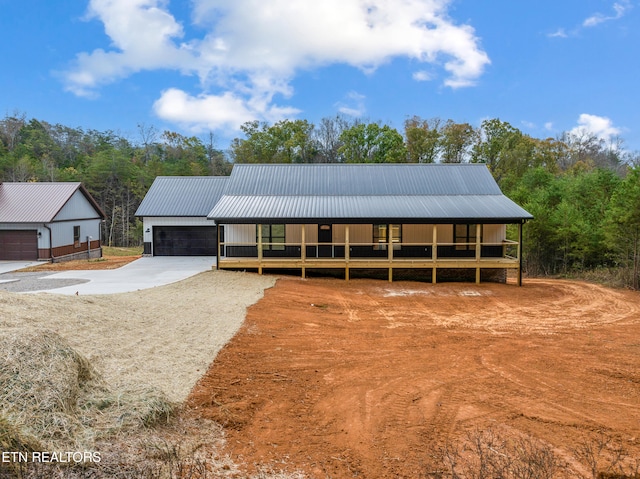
{"x": 506, "y": 249}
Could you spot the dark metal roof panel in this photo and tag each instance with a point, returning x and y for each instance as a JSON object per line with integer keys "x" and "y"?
{"x": 182, "y": 195}
{"x": 37, "y": 202}
{"x": 249, "y": 208}
{"x": 361, "y": 180}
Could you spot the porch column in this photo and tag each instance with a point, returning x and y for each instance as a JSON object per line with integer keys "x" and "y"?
{"x": 303, "y": 250}
{"x": 390, "y": 252}
{"x": 434, "y": 254}
{"x": 478, "y": 251}
{"x": 259, "y": 249}
{"x": 218, "y": 248}
{"x": 520, "y": 254}
{"x": 346, "y": 252}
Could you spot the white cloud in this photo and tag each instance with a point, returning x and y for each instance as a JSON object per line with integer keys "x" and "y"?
{"x": 253, "y": 49}
{"x": 142, "y": 34}
{"x": 600, "y": 126}
{"x": 620, "y": 9}
{"x": 354, "y": 105}
{"x": 549, "y": 126}
{"x": 213, "y": 112}
{"x": 422, "y": 76}
{"x": 559, "y": 33}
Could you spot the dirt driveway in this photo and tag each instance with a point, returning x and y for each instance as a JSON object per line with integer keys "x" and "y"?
{"x": 369, "y": 379}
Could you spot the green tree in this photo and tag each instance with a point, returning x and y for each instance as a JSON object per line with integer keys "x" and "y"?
{"x": 455, "y": 140}
{"x": 372, "y": 143}
{"x": 422, "y": 139}
{"x": 622, "y": 227}
{"x": 285, "y": 142}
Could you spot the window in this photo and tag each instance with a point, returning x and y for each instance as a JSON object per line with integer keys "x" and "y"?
{"x": 465, "y": 234}
{"x": 76, "y": 236}
{"x": 272, "y": 237}
{"x": 380, "y": 238}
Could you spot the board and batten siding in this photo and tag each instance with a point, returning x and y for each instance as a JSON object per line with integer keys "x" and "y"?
{"x": 62, "y": 232}
{"x": 360, "y": 233}
{"x": 77, "y": 207}
{"x": 243, "y": 234}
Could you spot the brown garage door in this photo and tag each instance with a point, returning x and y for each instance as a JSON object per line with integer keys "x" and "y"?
{"x": 18, "y": 245}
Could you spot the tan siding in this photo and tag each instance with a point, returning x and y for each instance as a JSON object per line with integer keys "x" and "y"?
{"x": 494, "y": 233}
{"x": 417, "y": 233}
{"x": 445, "y": 233}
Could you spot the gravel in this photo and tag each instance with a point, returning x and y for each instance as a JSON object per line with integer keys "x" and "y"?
{"x": 27, "y": 282}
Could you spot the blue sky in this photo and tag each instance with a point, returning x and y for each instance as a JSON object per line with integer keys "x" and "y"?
{"x": 203, "y": 66}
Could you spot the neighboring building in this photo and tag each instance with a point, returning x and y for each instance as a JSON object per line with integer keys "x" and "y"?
{"x": 48, "y": 221}
{"x": 174, "y": 214}
{"x": 442, "y": 219}
{"x": 436, "y": 217}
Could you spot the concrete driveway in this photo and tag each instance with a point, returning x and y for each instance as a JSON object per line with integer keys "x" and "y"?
{"x": 8, "y": 266}
{"x": 143, "y": 273}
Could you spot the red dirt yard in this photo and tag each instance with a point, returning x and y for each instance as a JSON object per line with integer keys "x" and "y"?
{"x": 368, "y": 379}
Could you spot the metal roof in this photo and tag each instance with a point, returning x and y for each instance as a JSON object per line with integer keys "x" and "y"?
{"x": 436, "y": 208}
{"x": 182, "y": 196}
{"x": 357, "y": 192}
{"x": 362, "y": 180}
{"x": 38, "y": 202}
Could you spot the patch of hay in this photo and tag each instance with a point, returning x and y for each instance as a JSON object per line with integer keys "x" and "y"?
{"x": 50, "y": 392}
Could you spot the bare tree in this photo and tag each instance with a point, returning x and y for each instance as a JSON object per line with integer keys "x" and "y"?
{"x": 10, "y": 128}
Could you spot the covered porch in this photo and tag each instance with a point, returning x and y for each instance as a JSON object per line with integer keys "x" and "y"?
{"x": 377, "y": 246}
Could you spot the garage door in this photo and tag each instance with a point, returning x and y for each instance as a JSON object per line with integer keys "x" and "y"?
{"x": 18, "y": 245}
{"x": 184, "y": 241}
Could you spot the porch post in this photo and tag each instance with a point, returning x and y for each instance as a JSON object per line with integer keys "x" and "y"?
{"x": 390, "y": 252}
{"x": 434, "y": 254}
{"x": 346, "y": 252}
{"x": 303, "y": 250}
{"x": 520, "y": 254}
{"x": 218, "y": 248}
{"x": 259, "y": 249}
{"x": 478, "y": 251}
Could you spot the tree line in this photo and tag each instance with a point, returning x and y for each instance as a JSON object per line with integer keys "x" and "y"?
{"x": 583, "y": 191}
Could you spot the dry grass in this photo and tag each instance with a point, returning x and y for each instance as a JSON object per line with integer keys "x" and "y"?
{"x": 95, "y": 372}
{"x": 50, "y": 392}
{"x": 163, "y": 337}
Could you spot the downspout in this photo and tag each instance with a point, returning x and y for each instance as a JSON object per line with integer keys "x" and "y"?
{"x": 50, "y": 242}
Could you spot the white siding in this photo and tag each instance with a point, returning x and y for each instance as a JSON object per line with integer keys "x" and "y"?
{"x": 240, "y": 234}
{"x": 62, "y": 232}
{"x": 77, "y": 207}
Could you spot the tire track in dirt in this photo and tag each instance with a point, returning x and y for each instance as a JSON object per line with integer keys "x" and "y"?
{"x": 358, "y": 379}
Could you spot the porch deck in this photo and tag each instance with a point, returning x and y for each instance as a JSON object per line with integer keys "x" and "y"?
{"x": 476, "y": 256}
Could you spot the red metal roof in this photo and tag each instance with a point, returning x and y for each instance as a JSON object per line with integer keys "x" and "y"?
{"x": 38, "y": 202}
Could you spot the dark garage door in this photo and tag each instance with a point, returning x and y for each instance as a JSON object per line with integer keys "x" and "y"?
{"x": 18, "y": 245}
{"x": 184, "y": 241}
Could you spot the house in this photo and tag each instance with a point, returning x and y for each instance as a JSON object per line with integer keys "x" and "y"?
{"x": 441, "y": 219}
{"x": 174, "y": 215}
{"x": 48, "y": 221}
{"x": 438, "y": 218}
